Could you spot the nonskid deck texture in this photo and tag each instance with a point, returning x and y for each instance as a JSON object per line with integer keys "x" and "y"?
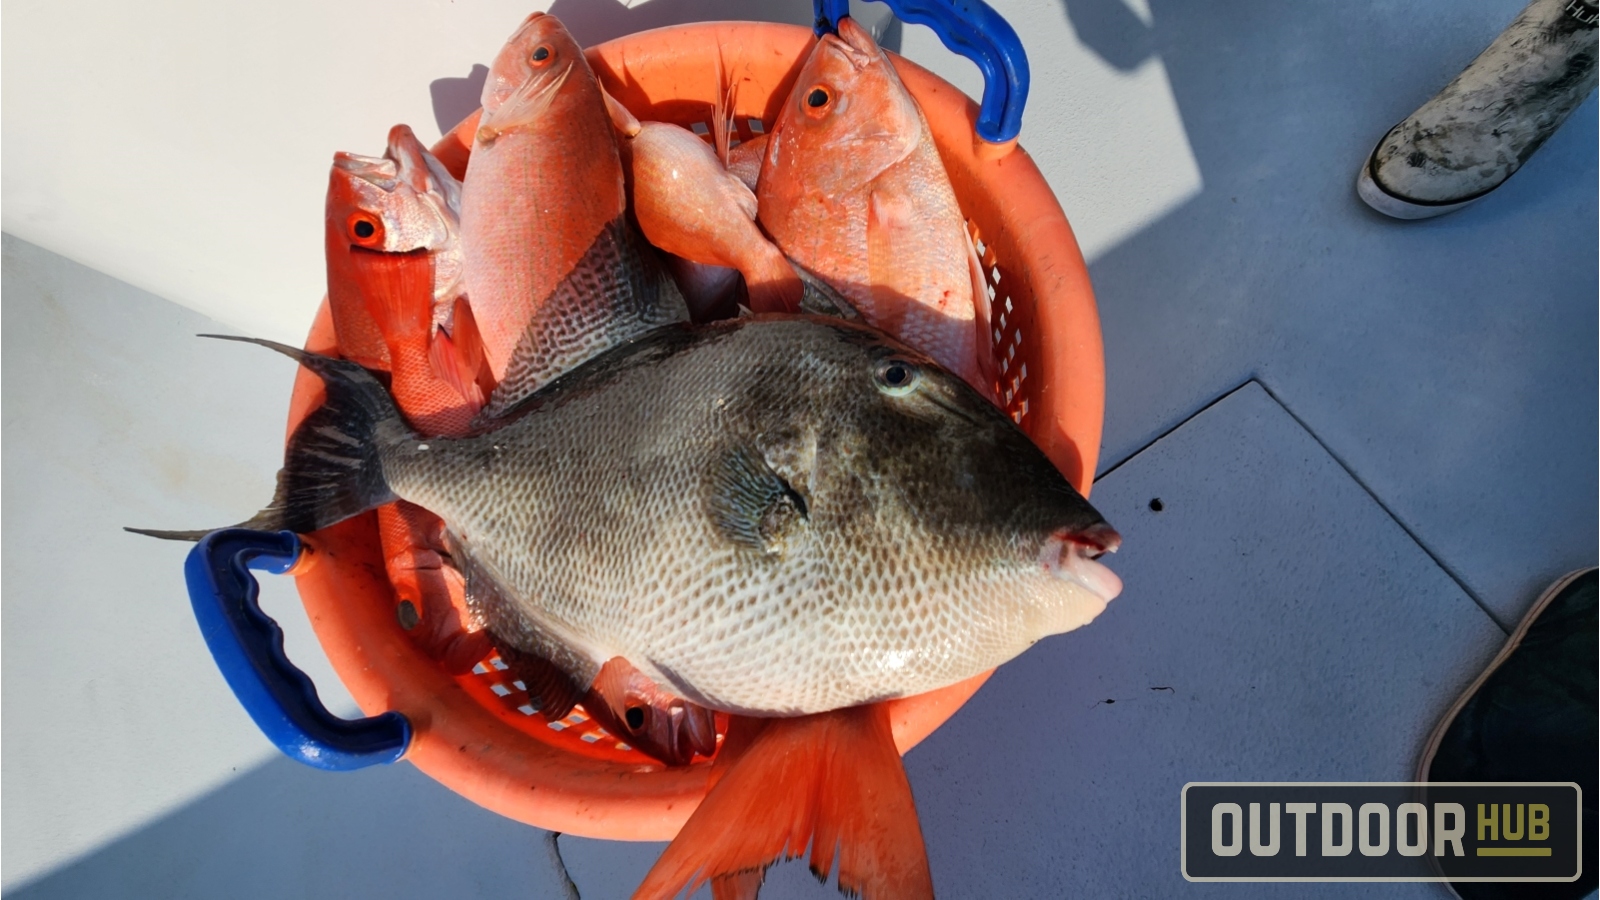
{"x": 1364, "y": 435}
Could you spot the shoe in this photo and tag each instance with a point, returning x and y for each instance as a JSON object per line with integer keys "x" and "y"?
{"x": 1532, "y": 716}
{"x": 1484, "y": 125}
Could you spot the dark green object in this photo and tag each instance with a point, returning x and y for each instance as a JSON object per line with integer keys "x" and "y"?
{"x": 1533, "y": 716}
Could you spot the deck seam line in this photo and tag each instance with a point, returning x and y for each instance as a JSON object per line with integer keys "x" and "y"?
{"x": 1415, "y": 539}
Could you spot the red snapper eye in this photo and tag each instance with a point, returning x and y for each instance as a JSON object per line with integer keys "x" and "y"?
{"x": 540, "y": 55}
{"x": 365, "y": 229}
{"x": 818, "y": 101}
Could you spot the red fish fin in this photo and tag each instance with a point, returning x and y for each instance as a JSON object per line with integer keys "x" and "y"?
{"x": 867, "y": 812}
{"x": 397, "y": 289}
{"x": 738, "y": 886}
{"x": 622, "y": 119}
{"x": 445, "y": 360}
{"x": 438, "y": 618}
{"x": 744, "y": 161}
{"x": 523, "y": 107}
{"x": 469, "y": 643}
{"x": 983, "y": 311}
{"x": 543, "y": 679}
{"x": 888, "y": 222}
{"x": 771, "y": 282}
{"x": 831, "y": 780}
{"x": 722, "y": 114}
{"x": 468, "y": 343}
{"x": 743, "y": 197}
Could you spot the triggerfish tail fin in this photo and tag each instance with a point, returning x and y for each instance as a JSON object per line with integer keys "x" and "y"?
{"x": 332, "y": 468}
{"x": 832, "y": 781}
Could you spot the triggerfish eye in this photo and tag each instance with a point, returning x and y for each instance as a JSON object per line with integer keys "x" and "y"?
{"x": 896, "y": 377}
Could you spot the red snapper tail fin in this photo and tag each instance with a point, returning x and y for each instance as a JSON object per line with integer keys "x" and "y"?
{"x": 833, "y": 781}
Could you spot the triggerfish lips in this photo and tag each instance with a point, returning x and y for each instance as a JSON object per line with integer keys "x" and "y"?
{"x": 1074, "y": 556}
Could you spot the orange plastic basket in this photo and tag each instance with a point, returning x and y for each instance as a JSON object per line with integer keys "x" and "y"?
{"x": 476, "y": 733}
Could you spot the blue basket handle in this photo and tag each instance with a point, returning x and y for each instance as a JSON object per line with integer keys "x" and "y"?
{"x": 972, "y": 29}
{"x": 248, "y": 647}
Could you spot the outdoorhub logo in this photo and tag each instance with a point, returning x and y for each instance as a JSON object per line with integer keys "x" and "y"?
{"x": 1381, "y": 832}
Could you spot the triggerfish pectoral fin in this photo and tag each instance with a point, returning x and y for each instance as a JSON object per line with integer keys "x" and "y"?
{"x": 831, "y": 780}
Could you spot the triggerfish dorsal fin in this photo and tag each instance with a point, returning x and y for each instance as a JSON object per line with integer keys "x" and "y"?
{"x": 618, "y": 291}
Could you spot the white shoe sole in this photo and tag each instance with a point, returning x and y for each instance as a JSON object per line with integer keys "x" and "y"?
{"x": 1373, "y": 194}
